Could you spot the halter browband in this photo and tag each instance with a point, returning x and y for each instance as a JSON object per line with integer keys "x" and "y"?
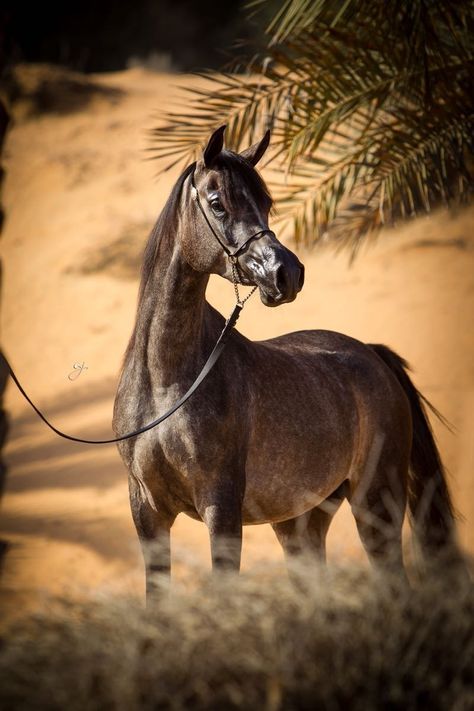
{"x": 231, "y": 253}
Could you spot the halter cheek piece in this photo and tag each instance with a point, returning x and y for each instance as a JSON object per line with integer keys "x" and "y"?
{"x": 232, "y": 253}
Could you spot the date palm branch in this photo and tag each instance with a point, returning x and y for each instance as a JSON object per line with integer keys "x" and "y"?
{"x": 371, "y": 109}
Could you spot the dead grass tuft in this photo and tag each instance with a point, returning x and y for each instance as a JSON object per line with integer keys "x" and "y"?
{"x": 335, "y": 639}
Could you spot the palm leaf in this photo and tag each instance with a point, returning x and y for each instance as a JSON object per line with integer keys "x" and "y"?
{"x": 371, "y": 107}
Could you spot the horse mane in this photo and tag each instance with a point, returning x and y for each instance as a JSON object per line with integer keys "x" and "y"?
{"x": 164, "y": 230}
{"x": 160, "y": 238}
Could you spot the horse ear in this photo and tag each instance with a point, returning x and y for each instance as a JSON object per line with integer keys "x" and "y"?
{"x": 214, "y": 146}
{"x": 255, "y": 152}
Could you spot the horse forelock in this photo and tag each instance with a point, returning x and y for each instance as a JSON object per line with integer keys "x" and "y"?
{"x": 235, "y": 170}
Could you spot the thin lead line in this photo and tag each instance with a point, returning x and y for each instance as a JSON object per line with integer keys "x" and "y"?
{"x": 209, "y": 364}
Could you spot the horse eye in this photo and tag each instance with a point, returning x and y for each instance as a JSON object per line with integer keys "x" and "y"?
{"x": 216, "y": 206}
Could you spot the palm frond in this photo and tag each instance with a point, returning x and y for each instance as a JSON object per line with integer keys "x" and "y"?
{"x": 371, "y": 108}
{"x": 247, "y": 106}
{"x": 400, "y": 171}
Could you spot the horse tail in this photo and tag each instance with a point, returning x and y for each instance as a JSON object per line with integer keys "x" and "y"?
{"x": 429, "y": 503}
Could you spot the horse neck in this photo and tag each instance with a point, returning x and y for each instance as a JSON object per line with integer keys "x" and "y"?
{"x": 170, "y": 337}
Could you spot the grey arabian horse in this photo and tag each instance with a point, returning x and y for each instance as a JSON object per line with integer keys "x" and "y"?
{"x": 282, "y": 430}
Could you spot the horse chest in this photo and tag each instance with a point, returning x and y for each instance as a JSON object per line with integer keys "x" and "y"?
{"x": 189, "y": 442}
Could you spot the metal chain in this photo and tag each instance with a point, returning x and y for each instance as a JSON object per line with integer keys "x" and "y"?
{"x": 236, "y": 282}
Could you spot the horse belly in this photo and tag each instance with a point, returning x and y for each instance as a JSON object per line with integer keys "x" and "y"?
{"x": 296, "y": 462}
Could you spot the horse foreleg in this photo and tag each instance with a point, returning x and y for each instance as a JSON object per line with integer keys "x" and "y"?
{"x": 153, "y": 529}
{"x": 225, "y": 533}
{"x": 221, "y": 511}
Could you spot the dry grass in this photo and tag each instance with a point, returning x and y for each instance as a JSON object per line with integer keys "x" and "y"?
{"x": 338, "y": 639}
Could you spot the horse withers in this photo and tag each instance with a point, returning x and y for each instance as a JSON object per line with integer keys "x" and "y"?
{"x": 282, "y": 430}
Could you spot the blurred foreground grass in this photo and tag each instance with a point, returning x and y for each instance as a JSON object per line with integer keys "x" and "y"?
{"x": 337, "y": 638}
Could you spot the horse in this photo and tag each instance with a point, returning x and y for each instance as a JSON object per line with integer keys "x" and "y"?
{"x": 282, "y": 430}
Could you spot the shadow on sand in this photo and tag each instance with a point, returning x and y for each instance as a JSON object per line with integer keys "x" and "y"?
{"x": 95, "y": 516}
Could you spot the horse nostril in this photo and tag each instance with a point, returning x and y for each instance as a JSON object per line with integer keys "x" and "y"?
{"x": 281, "y": 279}
{"x": 301, "y": 278}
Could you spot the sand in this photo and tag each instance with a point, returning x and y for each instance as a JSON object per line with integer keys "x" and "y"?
{"x": 80, "y": 200}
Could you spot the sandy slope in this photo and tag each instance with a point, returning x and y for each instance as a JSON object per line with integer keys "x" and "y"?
{"x": 80, "y": 200}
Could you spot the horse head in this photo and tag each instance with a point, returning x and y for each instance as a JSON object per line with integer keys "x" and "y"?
{"x": 230, "y": 217}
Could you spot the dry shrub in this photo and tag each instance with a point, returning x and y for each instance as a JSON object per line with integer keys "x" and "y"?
{"x": 332, "y": 639}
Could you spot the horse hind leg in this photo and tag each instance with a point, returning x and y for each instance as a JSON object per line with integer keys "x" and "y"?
{"x": 305, "y": 535}
{"x": 378, "y": 507}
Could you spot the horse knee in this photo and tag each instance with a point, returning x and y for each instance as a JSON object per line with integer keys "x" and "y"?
{"x": 224, "y": 524}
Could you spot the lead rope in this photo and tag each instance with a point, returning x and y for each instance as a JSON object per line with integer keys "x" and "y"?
{"x": 209, "y": 364}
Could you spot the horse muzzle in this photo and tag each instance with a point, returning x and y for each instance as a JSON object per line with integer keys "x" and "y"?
{"x": 277, "y": 272}
{"x": 288, "y": 280}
